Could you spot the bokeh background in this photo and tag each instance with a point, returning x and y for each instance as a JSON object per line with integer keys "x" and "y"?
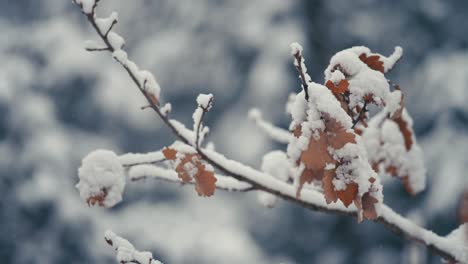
{"x": 58, "y": 102}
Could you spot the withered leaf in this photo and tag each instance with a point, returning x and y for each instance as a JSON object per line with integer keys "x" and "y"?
{"x": 405, "y": 131}
{"x": 373, "y": 62}
{"x": 205, "y": 181}
{"x": 181, "y": 169}
{"x": 328, "y": 187}
{"x": 348, "y": 195}
{"x": 337, "y": 135}
{"x": 169, "y": 153}
{"x": 368, "y": 206}
{"x": 97, "y": 198}
{"x": 316, "y": 156}
{"x": 191, "y": 165}
{"x": 338, "y": 89}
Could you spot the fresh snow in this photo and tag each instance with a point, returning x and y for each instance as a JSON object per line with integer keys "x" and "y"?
{"x": 101, "y": 175}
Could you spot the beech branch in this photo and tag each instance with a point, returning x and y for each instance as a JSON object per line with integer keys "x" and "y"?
{"x": 309, "y": 199}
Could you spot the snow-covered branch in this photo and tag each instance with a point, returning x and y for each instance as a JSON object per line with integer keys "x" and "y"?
{"x": 140, "y": 172}
{"x": 322, "y": 124}
{"x": 126, "y": 252}
{"x": 278, "y": 134}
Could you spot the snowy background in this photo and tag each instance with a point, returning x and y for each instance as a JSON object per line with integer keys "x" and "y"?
{"x": 58, "y": 102}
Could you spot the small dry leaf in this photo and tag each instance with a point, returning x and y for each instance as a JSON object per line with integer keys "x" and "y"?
{"x": 338, "y": 89}
{"x": 186, "y": 167}
{"x": 368, "y": 206}
{"x": 316, "y": 156}
{"x": 337, "y": 135}
{"x": 373, "y": 62}
{"x": 348, "y": 195}
{"x": 205, "y": 181}
{"x": 97, "y": 199}
{"x": 328, "y": 188}
{"x": 169, "y": 153}
{"x": 191, "y": 167}
{"x": 405, "y": 131}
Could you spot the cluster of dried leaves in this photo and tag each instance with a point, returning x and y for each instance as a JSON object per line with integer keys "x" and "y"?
{"x": 320, "y": 166}
{"x": 190, "y": 167}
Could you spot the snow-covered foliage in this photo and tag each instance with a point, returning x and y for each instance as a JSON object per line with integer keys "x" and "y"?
{"x": 102, "y": 179}
{"x": 385, "y": 144}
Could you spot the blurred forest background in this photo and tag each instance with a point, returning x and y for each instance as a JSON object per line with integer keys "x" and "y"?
{"x": 58, "y": 102}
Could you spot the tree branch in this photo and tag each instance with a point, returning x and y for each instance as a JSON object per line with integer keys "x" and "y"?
{"x": 140, "y": 172}
{"x": 309, "y": 199}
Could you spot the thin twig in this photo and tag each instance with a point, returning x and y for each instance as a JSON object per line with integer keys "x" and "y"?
{"x": 298, "y": 65}
{"x": 361, "y": 113}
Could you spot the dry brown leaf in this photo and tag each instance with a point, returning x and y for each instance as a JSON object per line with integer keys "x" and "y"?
{"x": 337, "y": 135}
{"x": 368, "y": 206}
{"x": 181, "y": 169}
{"x": 405, "y": 131}
{"x": 169, "y": 153}
{"x": 338, "y": 89}
{"x": 328, "y": 187}
{"x": 205, "y": 181}
{"x": 373, "y": 62}
{"x": 98, "y": 198}
{"x": 316, "y": 156}
{"x": 348, "y": 195}
{"x": 191, "y": 165}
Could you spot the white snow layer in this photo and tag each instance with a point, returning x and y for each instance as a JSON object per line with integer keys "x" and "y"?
{"x": 126, "y": 252}
{"x": 276, "y": 164}
{"x": 101, "y": 175}
{"x": 86, "y": 5}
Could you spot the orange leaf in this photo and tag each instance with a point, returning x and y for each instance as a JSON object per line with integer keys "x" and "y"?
{"x": 205, "y": 181}
{"x": 338, "y": 89}
{"x": 169, "y": 153}
{"x": 316, "y": 156}
{"x": 348, "y": 195}
{"x": 181, "y": 169}
{"x": 337, "y": 135}
{"x": 373, "y": 62}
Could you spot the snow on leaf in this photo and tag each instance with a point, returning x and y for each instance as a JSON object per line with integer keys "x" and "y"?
{"x": 337, "y": 135}
{"x": 102, "y": 178}
{"x": 393, "y": 150}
